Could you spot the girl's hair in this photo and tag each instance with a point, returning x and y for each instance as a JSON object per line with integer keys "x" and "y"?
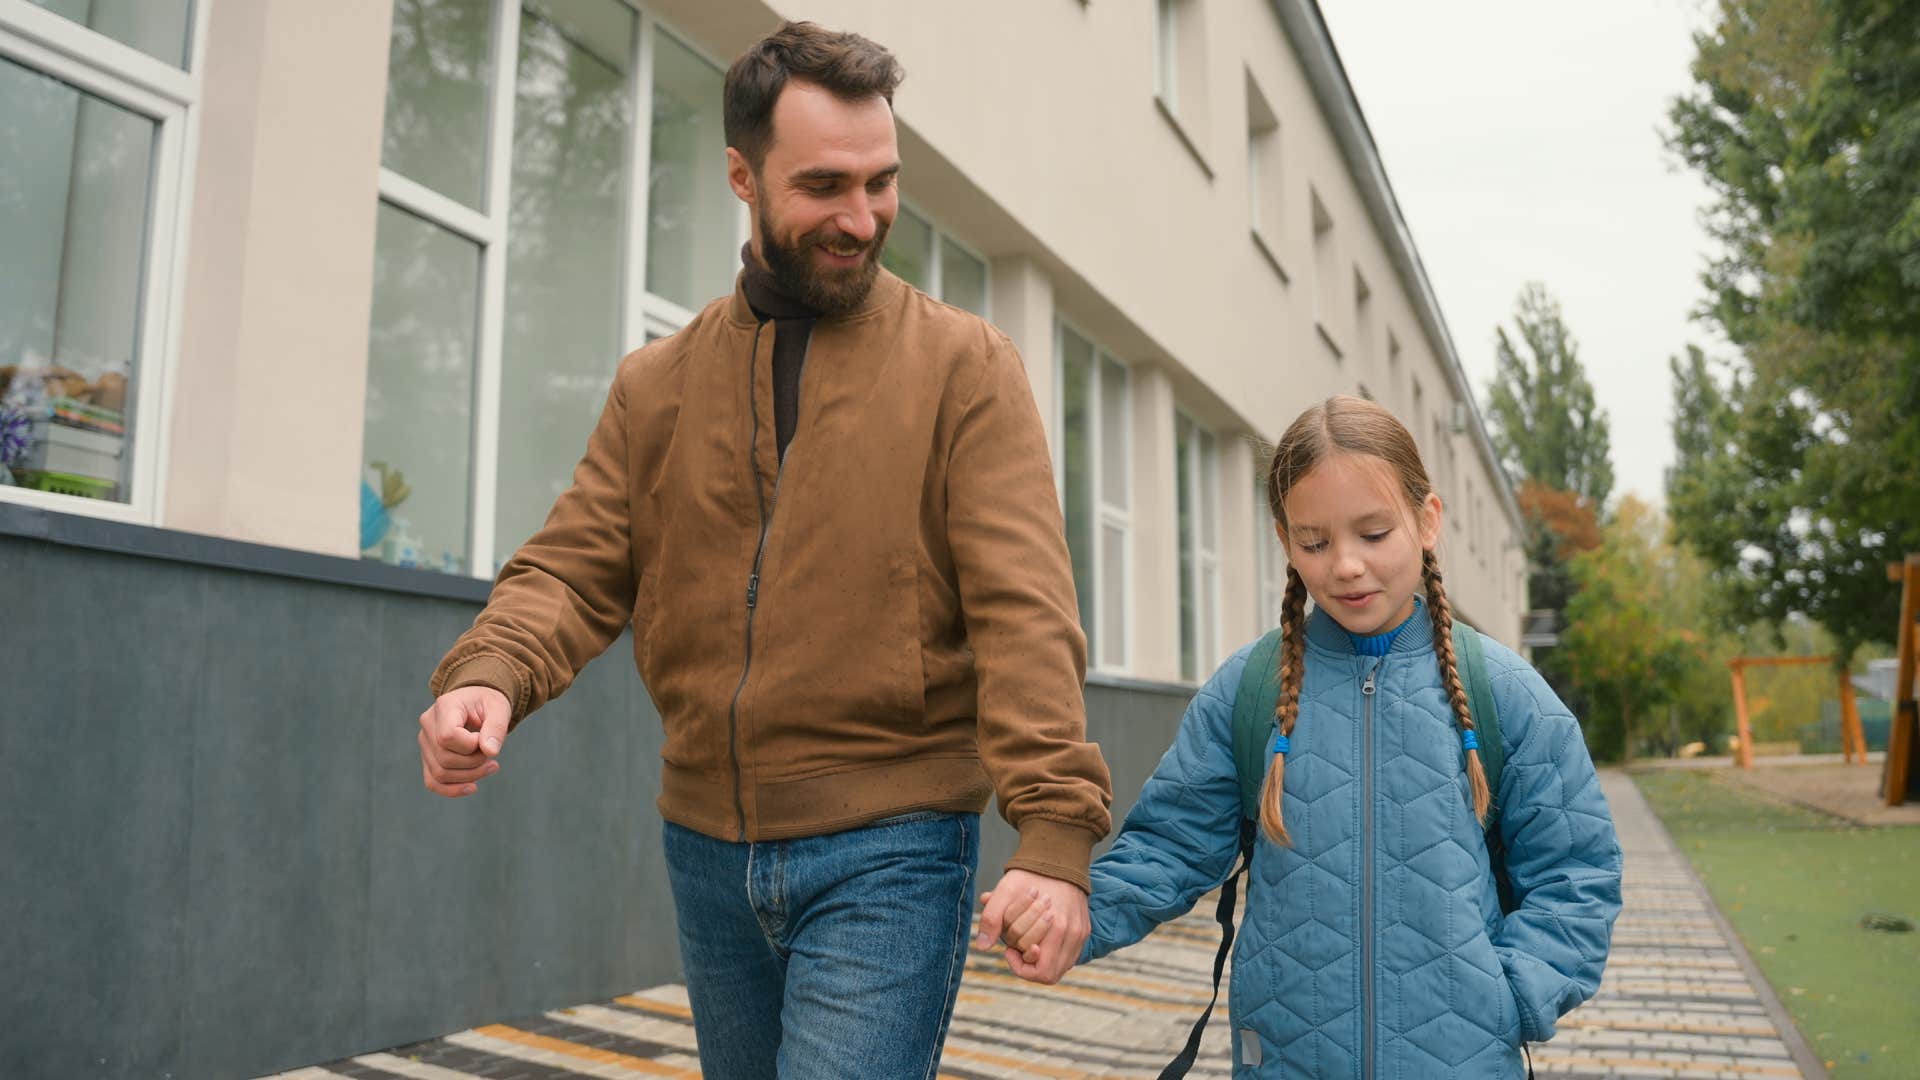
{"x": 1354, "y": 426}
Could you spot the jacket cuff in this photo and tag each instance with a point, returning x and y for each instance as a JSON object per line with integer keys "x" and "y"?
{"x": 485, "y": 669}
{"x": 1055, "y": 849}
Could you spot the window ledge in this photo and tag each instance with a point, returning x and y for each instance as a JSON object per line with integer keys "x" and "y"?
{"x": 1273, "y": 260}
{"x": 196, "y": 549}
{"x": 1152, "y": 686}
{"x": 1186, "y": 139}
{"x": 1327, "y": 336}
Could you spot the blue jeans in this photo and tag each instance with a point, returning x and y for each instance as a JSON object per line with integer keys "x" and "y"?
{"x": 826, "y": 957}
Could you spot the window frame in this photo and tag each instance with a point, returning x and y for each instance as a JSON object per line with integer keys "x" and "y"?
{"x": 1104, "y": 513}
{"x": 1206, "y": 645}
{"x": 936, "y": 259}
{"x": 94, "y": 64}
{"x": 643, "y": 315}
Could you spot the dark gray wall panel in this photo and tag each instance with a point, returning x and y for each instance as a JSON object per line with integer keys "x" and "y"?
{"x": 99, "y": 664}
{"x": 219, "y": 859}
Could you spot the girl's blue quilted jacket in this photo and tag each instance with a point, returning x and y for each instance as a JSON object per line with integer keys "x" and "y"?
{"x": 1374, "y": 945}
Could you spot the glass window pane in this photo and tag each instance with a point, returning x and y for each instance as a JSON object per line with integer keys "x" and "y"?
{"x": 1209, "y": 495}
{"x": 562, "y": 326}
{"x": 159, "y": 28}
{"x": 909, "y": 250}
{"x": 438, "y": 71}
{"x": 1076, "y": 466}
{"x": 1183, "y": 470}
{"x": 74, "y": 176}
{"x": 1113, "y": 595}
{"x": 1113, "y": 433}
{"x": 963, "y": 279}
{"x": 692, "y": 216}
{"x": 1209, "y": 616}
{"x": 415, "y": 503}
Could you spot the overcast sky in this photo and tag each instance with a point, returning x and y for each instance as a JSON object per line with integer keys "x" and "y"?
{"x": 1522, "y": 141}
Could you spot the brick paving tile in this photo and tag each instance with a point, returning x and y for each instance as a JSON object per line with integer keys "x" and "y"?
{"x": 1676, "y": 1002}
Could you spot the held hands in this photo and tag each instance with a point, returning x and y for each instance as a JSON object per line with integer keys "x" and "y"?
{"x": 1042, "y": 920}
{"x": 460, "y": 736}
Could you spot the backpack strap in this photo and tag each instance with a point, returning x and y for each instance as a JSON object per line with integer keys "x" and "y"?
{"x": 1253, "y": 705}
{"x": 1471, "y": 655}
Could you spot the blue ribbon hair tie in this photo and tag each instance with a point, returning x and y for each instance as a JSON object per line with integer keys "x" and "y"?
{"x": 1280, "y": 745}
{"x": 1470, "y": 740}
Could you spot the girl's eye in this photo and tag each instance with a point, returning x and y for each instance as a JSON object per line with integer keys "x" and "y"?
{"x": 1315, "y": 547}
{"x": 1374, "y": 538}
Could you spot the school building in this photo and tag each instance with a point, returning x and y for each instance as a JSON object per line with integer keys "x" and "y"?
{"x": 305, "y": 312}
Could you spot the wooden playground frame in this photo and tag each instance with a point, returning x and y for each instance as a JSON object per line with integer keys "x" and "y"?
{"x": 1853, "y": 739}
{"x": 1904, "y": 736}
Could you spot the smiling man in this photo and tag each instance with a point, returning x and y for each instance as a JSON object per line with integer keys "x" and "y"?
{"x": 827, "y": 511}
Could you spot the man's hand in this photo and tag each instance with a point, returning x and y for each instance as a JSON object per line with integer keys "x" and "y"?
{"x": 460, "y": 736}
{"x": 1060, "y": 901}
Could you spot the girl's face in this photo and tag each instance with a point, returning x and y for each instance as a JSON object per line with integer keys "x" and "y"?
{"x": 1356, "y": 543}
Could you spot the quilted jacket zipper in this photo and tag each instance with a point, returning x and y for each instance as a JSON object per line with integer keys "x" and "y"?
{"x": 1366, "y": 875}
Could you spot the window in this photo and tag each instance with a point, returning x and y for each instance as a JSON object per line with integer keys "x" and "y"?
{"x": 1265, "y": 215}
{"x": 1362, "y": 317}
{"x": 553, "y": 193}
{"x": 1166, "y": 53}
{"x": 1095, "y": 492}
{"x": 1393, "y": 368}
{"x": 91, "y": 201}
{"x": 1180, "y": 72}
{"x": 1325, "y": 271}
{"x": 1270, "y": 560}
{"x": 935, "y": 263}
{"x": 1196, "y": 478}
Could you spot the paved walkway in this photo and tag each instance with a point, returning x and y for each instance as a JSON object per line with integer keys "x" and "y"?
{"x": 1677, "y": 1001}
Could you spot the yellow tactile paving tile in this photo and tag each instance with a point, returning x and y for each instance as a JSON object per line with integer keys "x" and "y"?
{"x": 638, "y": 1065}
{"x": 667, "y": 1008}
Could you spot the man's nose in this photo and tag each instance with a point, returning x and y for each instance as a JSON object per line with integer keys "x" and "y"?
{"x": 856, "y": 218}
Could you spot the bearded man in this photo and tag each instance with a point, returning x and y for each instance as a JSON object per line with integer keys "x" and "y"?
{"x": 827, "y": 511}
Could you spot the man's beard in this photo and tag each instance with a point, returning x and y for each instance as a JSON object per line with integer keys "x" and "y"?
{"x": 830, "y": 292}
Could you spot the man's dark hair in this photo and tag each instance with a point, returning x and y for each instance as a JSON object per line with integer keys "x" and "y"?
{"x": 847, "y": 65}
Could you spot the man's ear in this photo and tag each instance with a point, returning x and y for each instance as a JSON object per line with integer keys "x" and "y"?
{"x": 741, "y": 179}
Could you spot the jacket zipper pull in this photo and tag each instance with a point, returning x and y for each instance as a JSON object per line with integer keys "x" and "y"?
{"x": 1367, "y": 687}
{"x": 753, "y": 590}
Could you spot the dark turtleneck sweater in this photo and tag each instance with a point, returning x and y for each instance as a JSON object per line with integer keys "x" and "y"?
{"x": 792, "y": 326}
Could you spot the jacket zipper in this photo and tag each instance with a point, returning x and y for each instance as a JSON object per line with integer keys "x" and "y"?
{"x": 759, "y": 555}
{"x": 1366, "y": 874}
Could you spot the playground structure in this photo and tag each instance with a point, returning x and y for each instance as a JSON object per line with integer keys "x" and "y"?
{"x": 1903, "y": 738}
{"x": 1897, "y": 779}
{"x": 1853, "y": 739}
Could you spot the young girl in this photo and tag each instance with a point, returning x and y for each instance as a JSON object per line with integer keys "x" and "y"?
{"x": 1373, "y": 944}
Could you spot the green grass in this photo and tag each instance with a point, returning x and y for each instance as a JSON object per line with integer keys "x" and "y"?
{"x": 1795, "y": 883}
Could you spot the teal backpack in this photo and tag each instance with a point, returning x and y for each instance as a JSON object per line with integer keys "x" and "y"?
{"x": 1253, "y": 728}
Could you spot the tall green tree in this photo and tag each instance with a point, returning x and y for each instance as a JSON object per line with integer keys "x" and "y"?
{"x": 1540, "y": 409}
{"x": 1798, "y": 468}
{"x": 1620, "y": 645}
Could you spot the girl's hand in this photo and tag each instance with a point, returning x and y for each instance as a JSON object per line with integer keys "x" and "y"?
{"x": 1027, "y": 919}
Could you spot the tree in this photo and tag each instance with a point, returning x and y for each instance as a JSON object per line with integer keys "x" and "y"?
{"x": 1540, "y": 409}
{"x": 1798, "y": 472}
{"x": 1619, "y": 645}
{"x": 1560, "y": 525}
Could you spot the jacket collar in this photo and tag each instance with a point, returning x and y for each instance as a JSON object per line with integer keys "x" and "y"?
{"x": 886, "y": 289}
{"x": 1326, "y": 634}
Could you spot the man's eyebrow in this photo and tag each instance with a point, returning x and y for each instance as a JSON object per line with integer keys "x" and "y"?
{"x": 824, "y": 173}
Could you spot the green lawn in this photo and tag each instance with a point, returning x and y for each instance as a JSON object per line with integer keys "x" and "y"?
{"x": 1795, "y": 883}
